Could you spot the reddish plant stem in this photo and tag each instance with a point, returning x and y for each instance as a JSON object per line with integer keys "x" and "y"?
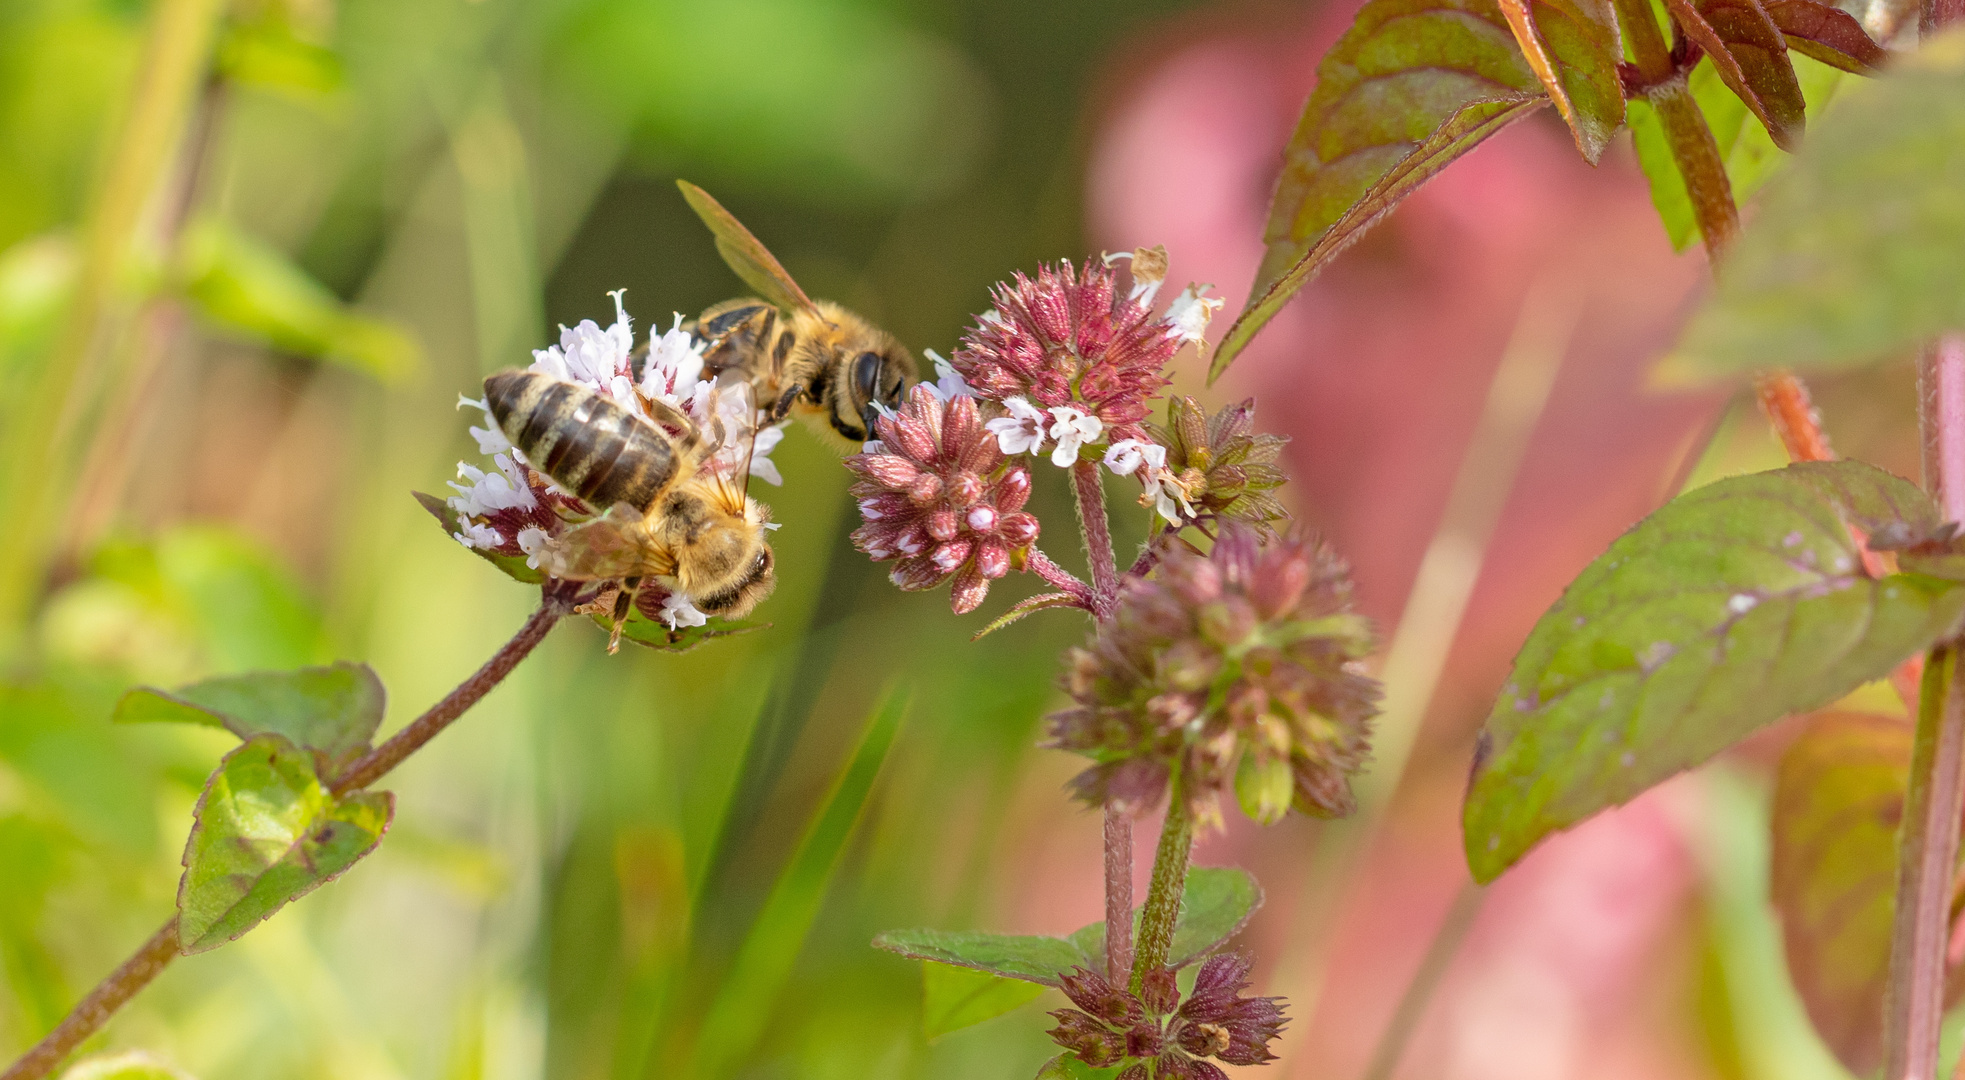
{"x": 1098, "y": 537}
{"x": 102, "y": 1002}
{"x": 1927, "y": 847}
{"x": 1041, "y": 565}
{"x": 1118, "y": 893}
{"x": 555, "y": 602}
{"x": 137, "y": 972}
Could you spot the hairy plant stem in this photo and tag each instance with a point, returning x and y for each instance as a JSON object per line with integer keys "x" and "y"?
{"x": 1098, "y": 537}
{"x": 155, "y": 954}
{"x": 1064, "y": 580}
{"x": 1161, "y": 913}
{"x": 1927, "y": 848}
{"x": 1118, "y": 893}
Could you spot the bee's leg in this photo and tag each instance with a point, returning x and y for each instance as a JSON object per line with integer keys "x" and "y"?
{"x": 791, "y": 394}
{"x": 624, "y": 605}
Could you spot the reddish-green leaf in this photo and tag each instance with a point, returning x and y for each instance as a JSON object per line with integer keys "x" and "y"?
{"x": 1751, "y": 56}
{"x": 332, "y": 711}
{"x": 1571, "y": 45}
{"x": 1828, "y": 34}
{"x": 1837, "y": 800}
{"x": 1732, "y": 606}
{"x": 513, "y": 565}
{"x": 1410, "y": 87}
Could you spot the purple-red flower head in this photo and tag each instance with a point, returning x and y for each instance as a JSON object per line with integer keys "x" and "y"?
{"x": 937, "y": 495}
{"x": 1075, "y": 358}
{"x": 1239, "y": 665}
{"x": 1155, "y": 1031}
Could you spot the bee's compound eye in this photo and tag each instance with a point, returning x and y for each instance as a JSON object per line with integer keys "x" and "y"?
{"x": 866, "y": 375}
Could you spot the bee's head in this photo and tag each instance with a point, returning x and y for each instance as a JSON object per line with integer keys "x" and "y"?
{"x": 871, "y": 369}
{"x": 728, "y": 568}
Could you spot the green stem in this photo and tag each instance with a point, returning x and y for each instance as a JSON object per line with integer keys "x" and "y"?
{"x": 1927, "y": 849}
{"x": 1162, "y": 911}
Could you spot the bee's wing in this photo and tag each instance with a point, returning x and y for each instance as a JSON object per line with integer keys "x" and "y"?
{"x": 614, "y": 545}
{"x": 744, "y": 253}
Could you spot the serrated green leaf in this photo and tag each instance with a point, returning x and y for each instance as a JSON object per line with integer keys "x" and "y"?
{"x": 334, "y": 710}
{"x": 512, "y": 566}
{"x": 1837, "y": 799}
{"x": 1068, "y": 1067}
{"x": 1411, "y": 86}
{"x": 126, "y": 1065}
{"x": 266, "y": 832}
{"x": 1030, "y": 957}
{"x": 1858, "y": 251}
{"x": 245, "y": 285}
{"x": 1217, "y": 903}
{"x": 1732, "y": 606}
{"x": 1027, "y": 606}
{"x": 1750, "y": 56}
{"x": 953, "y": 998}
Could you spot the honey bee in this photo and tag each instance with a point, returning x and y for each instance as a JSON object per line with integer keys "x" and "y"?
{"x": 810, "y": 357}
{"x": 671, "y": 512}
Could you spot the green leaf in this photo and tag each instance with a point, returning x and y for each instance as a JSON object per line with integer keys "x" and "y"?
{"x": 266, "y": 54}
{"x": 1030, "y": 957}
{"x": 1858, "y": 252}
{"x": 333, "y": 710}
{"x": 953, "y": 998}
{"x": 1215, "y": 906}
{"x": 266, "y": 832}
{"x": 246, "y": 285}
{"x": 1572, "y": 47}
{"x": 1026, "y": 606}
{"x": 1217, "y": 903}
{"x": 513, "y": 566}
{"x": 126, "y": 1065}
{"x": 1410, "y": 87}
{"x": 643, "y": 630}
{"x": 1751, "y": 57}
{"x": 1827, "y": 34}
{"x": 1730, "y": 607}
{"x": 1837, "y": 800}
{"x": 1068, "y": 1067}
{"x": 742, "y": 1005}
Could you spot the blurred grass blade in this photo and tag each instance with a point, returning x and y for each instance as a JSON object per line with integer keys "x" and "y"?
{"x": 127, "y": 1065}
{"x": 743, "y": 1003}
{"x": 244, "y": 284}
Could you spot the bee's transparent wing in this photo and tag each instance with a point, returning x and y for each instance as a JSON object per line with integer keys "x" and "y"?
{"x": 746, "y": 256}
{"x": 614, "y": 545}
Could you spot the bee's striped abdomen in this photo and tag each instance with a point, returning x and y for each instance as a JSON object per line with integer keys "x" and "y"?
{"x": 587, "y": 443}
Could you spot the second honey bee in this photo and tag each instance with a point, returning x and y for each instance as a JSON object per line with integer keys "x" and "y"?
{"x": 803, "y": 356}
{"x": 666, "y": 512}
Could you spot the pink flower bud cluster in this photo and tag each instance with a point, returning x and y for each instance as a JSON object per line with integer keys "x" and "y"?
{"x": 1240, "y": 665}
{"x": 1072, "y": 339}
{"x": 937, "y": 495}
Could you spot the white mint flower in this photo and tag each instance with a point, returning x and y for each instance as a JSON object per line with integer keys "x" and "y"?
{"x": 532, "y": 541}
{"x": 1072, "y": 428}
{"x": 501, "y": 490}
{"x": 762, "y": 466}
{"x": 678, "y": 611}
{"x": 1190, "y": 312}
{"x": 490, "y": 439}
{"x": 1020, "y": 432}
{"x": 587, "y": 354}
{"x": 1127, "y": 455}
{"x": 474, "y": 535}
{"x": 949, "y": 383}
{"x": 675, "y": 366}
